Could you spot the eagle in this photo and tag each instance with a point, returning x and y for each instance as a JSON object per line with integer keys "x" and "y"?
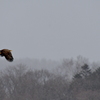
{"x": 7, "y": 54}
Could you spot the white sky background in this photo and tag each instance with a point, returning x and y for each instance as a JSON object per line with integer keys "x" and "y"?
{"x": 51, "y": 29}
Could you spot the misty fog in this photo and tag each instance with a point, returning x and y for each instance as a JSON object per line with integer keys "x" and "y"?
{"x": 46, "y": 37}
{"x": 35, "y": 79}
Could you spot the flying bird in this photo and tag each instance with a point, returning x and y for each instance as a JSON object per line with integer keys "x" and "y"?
{"x": 7, "y": 54}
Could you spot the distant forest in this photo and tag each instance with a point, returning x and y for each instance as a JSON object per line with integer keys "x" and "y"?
{"x": 69, "y": 80}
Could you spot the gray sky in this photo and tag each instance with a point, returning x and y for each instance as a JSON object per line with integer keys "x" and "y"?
{"x": 51, "y": 29}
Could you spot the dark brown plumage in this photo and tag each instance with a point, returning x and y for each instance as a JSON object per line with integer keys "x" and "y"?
{"x": 7, "y": 54}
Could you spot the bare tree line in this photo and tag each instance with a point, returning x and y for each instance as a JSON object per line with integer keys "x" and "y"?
{"x": 20, "y": 83}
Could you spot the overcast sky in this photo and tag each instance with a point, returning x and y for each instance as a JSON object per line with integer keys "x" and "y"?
{"x": 51, "y": 29}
